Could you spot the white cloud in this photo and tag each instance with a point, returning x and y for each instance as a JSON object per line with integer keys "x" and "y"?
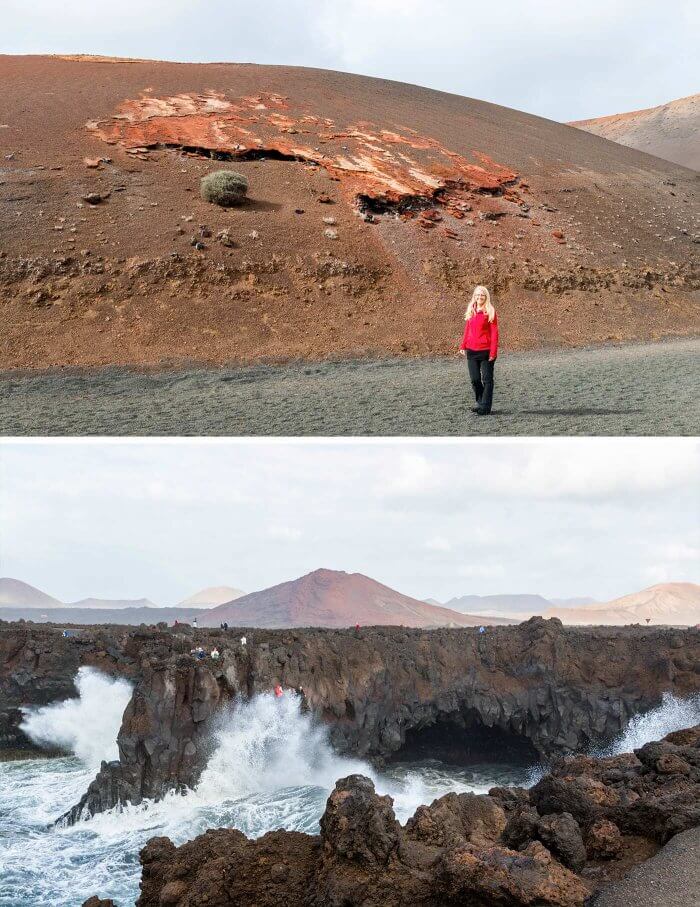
{"x": 584, "y": 469}
{"x": 430, "y": 518}
{"x": 284, "y": 533}
{"x": 680, "y": 551}
{"x": 659, "y": 573}
{"x": 409, "y": 474}
{"x": 438, "y": 543}
{"x": 480, "y": 571}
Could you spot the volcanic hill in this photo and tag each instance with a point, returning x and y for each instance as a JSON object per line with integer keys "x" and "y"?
{"x": 374, "y": 207}
{"x": 669, "y": 131}
{"x": 665, "y": 603}
{"x": 15, "y": 592}
{"x": 333, "y": 598}
{"x": 211, "y": 597}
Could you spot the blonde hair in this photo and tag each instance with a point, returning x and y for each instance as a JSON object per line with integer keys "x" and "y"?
{"x": 488, "y": 307}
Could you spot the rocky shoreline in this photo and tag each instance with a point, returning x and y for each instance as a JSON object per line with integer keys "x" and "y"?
{"x": 578, "y": 831}
{"x": 537, "y": 690}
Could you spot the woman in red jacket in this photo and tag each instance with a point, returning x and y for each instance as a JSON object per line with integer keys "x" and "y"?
{"x": 480, "y": 345}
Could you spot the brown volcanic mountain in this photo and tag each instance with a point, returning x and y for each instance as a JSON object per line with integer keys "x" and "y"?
{"x": 665, "y": 603}
{"x": 429, "y": 193}
{"x": 670, "y": 131}
{"x": 333, "y": 598}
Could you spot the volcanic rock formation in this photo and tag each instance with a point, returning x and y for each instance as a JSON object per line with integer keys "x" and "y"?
{"x": 374, "y": 208}
{"x": 537, "y": 689}
{"x": 581, "y": 826}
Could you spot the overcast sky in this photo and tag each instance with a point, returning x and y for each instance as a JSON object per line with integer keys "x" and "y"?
{"x": 162, "y": 520}
{"x": 561, "y": 59}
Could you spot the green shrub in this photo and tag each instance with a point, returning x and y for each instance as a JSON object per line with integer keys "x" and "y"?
{"x": 224, "y": 187}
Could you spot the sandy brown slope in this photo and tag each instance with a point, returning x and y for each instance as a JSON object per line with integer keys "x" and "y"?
{"x": 582, "y": 239}
{"x": 670, "y": 131}
{"x": 675, "y": 604}
{"x": 333, "y": 598}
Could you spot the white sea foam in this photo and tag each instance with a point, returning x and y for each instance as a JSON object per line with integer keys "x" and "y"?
{"x": 673, "y": 714}
{"x": 86, "y": 726}
{"x": 271, "y": 767}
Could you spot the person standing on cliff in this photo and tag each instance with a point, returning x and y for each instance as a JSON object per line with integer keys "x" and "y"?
{"x": 480, "y": 346}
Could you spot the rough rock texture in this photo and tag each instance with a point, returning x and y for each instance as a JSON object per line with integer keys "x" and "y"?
{"x": 109, "y": 255}
{"x": 653, "y": 792}
{"x": 458, "y": 850}
{"x": 163, "y": 740}
{"x": 362, "y": 856}
{"x": 534, "y": 689}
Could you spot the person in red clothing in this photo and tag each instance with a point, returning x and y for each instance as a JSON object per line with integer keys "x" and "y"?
{"x": 480, "y": 346}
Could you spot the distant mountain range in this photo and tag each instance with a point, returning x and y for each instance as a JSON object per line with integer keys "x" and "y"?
{"x": 665, "y": 603}
{"x": 669, "y": 131}
{"x": 211, "y": 597}
{"x": 333, "y": 598}
{"x": 111, "y": 604}
{"x": 19, "y": 600}
{"x": 517, "y": 607}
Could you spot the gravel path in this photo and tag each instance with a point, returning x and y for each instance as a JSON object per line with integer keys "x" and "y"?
{"x": 644, "y": 389}
{"x": 670, "y": 879}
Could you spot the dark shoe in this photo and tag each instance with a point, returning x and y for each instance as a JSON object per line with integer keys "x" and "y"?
{"x": 483, "y": 412}
{"x": 475, "y": 409}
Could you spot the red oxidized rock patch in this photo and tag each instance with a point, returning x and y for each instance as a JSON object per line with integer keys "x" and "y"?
{"x": 375, "y": 166}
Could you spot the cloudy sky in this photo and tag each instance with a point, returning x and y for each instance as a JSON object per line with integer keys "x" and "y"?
{"x": 160, "y": 519}
{"x": 558, "y": 58}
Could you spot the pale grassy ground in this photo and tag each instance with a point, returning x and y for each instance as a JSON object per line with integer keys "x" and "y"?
{"x": 644, "y": 389}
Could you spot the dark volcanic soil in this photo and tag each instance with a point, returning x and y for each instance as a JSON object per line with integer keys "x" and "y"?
{"x": 584, "y": 241}
{"x": 648, "y": 389}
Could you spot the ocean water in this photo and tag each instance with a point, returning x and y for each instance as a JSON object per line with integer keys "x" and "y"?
{"x": 271, "y": 768}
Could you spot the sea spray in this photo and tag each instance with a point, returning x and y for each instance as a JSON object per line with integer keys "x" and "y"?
{"x": 673, "y": 714}
{"x": 267, "y": 743}
{"x": 271, "y": 767}
{"x": 86, "y": 726}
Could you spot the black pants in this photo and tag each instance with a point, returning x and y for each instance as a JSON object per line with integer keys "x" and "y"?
{"x": 481, "y": 376}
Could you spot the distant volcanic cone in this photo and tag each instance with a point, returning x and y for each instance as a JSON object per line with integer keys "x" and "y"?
{"x": 333, "y": 598}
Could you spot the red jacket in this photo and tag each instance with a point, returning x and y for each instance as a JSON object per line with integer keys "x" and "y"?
{"x": 481, "y": 334}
